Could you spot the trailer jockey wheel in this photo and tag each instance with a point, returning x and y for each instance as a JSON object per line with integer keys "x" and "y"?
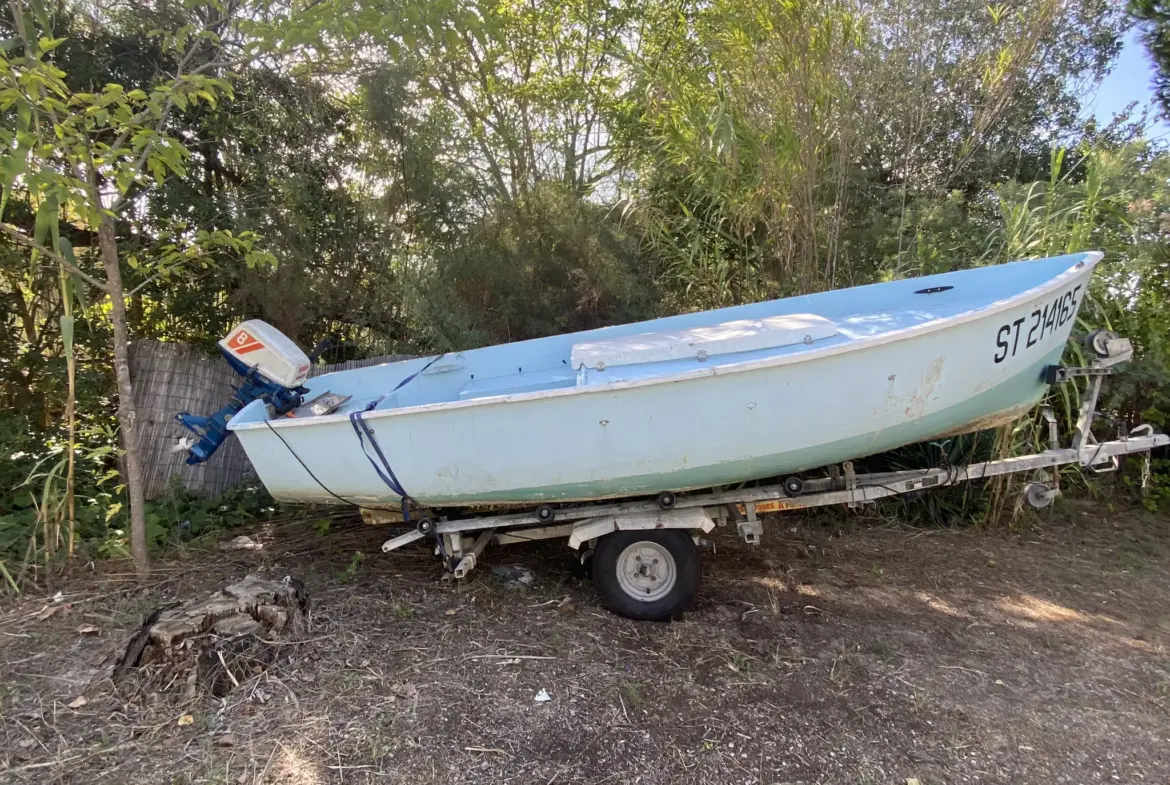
{"x": 545, "y": 514}
{"x": 1038, "y": 495}
{"x": 666, "y": 500}
{"x": 793, "y": 486}
{"x": 650, "y": 575}
{"x": 425, "y": 526}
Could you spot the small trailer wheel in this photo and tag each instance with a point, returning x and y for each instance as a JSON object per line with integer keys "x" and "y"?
{"x": 1038, "y": 495}
{"x": 425, "y": 526}
{"x": 545, "y": 514}
{"x": 793, "y": 486}
{"x": 648, "y": 575}
{"x": 666, "y": 500}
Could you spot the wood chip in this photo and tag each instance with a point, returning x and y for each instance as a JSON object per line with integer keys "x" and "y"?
{"x": 494, "y": 750}
{"x": 88, "y": 629}
{"x": 78, "y": 702}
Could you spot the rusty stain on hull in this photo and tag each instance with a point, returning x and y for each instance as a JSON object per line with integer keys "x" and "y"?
{"x": 1004, "y": 417}
{"x": 925, "y": 389}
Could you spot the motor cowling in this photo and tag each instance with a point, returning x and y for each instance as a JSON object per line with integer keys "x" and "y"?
{"x": 259, "y": 345}
{"x": 273, "y": 368}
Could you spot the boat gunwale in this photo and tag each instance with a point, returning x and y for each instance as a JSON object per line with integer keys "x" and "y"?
{"x": 1090, "y": 260}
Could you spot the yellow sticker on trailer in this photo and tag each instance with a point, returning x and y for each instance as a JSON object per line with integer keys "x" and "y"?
{"x": 775, "y": 505}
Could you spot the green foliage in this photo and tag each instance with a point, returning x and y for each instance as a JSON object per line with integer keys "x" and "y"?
{"x": 28, "y": 482}
{"x": 549, "y": 264}
{"x": 351, "y": 569}
{"x": 739, "y": 141}
{"x": 447, "y": 175}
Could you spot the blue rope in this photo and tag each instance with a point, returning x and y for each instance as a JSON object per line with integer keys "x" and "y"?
{"x": 385, "y": 472}
{"x": 370, "y": 406}
{"x": 362, "y": 429}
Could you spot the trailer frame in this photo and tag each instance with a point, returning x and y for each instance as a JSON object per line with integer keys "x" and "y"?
{"x": 462, "y": 540}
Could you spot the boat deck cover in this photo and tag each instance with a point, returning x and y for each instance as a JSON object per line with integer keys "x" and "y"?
{"x": 741, "y": 335}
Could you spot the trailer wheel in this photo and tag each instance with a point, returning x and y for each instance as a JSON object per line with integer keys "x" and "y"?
{"x": 648, "y": 575}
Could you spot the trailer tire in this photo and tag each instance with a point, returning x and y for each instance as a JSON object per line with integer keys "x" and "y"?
{"x": 650, "y": 575}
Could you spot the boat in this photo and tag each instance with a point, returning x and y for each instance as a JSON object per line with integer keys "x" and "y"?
{"x": 694, "y": 401}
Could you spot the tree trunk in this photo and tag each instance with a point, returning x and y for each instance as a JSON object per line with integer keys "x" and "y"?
{"x": 70, "y": 406}
{"x": 126, "y": 413}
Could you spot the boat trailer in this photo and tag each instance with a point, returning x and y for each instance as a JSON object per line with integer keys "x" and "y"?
{"x": 643, "y": 552}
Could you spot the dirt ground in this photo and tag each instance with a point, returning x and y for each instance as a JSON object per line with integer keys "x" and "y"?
{"x": 836, "y": 652}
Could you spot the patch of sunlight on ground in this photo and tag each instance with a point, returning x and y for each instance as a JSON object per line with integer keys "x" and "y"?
{"x": 935, "y": 604}
{"x": 293, "y": 768}
{"x": 1032, "y": 610}
{"x": 1035, "y": 609}
{"x": 770, "y": 583}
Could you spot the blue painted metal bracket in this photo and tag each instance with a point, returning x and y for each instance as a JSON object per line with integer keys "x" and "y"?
{"x": 212, "y": 431}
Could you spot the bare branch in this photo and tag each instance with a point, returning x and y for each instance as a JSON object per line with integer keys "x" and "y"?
{"x": 28, "y": 242}
{"x": 146, "y": 283}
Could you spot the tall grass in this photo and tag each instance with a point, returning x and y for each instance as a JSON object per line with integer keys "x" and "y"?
{"x": 1085, "y": 204}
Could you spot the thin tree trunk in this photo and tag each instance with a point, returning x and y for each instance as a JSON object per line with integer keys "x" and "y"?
{"x": 70, "y": 407}
{"x": 71, "y": 417}
{"x": 127, "y": 420}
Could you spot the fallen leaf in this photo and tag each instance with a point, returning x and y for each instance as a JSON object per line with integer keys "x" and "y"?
{"x": 912, "y": 781}
{"x": 78, "y": 702}
{"x": 88, "y": 629}
{"x": 52, "y": 610}
{"x": 450, "y": 612}
{"x": 186, "y": 719}
{"x": 226, "y": 740}
{"x": 23, "y": 754}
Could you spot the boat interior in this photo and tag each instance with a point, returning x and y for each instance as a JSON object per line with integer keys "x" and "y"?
{"x": 676, "y": 344}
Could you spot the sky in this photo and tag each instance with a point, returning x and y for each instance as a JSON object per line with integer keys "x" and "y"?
{"x": 1130, "y": 80}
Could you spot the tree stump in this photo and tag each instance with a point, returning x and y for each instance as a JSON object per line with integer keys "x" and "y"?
{"x": 216, "y": 643}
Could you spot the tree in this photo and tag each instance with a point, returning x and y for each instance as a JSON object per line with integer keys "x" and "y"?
{"x": 775, "y": 139}
{"x": 87, "y": 158}
{"x": 1154, "y": 16}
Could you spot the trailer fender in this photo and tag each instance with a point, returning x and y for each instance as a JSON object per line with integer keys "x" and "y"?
{"x": 686, "y": 518}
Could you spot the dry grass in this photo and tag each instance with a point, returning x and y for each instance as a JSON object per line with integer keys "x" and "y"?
{"x": 962, "y": 658}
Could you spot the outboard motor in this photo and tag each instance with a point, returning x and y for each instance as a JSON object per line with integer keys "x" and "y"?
{"x": 273, "y": 367}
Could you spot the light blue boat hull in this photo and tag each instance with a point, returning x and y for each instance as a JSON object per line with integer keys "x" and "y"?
{"x": 517, "y": 424}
